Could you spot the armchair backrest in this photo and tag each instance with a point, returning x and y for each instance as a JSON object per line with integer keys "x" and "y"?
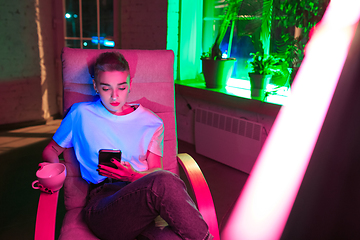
{"x": 152, "y": 86}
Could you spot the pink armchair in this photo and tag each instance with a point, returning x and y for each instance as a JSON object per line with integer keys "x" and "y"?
{"x": 153, "y": 87}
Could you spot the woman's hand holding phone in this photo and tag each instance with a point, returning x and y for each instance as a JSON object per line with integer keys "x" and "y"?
{"x": 105, "y": 156}
{"x": 123, "y": 171}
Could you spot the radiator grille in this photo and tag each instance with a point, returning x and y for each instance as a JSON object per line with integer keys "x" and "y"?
{"x": 227, "y": 139}
{"x": 238, "y": 126}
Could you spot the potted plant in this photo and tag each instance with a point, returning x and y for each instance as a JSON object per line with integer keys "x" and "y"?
{"x": 263, "y": 67}
{"x": 217, "y": 69}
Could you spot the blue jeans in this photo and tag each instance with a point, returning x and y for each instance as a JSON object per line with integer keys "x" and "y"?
{"x": 124, "y": 210}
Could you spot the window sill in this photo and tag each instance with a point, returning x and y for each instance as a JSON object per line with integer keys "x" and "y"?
{"x": 236, "y": 97}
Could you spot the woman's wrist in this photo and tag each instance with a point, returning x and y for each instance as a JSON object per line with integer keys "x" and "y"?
{"x": 134, "y": 176}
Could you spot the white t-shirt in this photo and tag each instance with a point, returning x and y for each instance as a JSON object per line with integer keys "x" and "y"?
{"x": 89, "y": 127}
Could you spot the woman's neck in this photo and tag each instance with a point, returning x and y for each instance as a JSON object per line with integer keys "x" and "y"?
{"x": 126, "y": 109}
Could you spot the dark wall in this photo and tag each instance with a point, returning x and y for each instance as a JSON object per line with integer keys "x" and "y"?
{"x": 328, "y": 202}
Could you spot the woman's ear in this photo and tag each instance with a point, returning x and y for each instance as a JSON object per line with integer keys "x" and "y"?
{"x": 94, "y": 85}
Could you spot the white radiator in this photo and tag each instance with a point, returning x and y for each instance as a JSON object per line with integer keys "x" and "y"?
{"x": 233, "y": 141}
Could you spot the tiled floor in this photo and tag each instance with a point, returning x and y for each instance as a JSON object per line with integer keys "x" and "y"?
{"x": 20, "y": 152}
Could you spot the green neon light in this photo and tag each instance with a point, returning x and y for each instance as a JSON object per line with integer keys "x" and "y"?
{"x": 172, "y": 40}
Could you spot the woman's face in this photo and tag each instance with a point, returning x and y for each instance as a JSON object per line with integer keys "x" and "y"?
{"x": 113, "y": 88}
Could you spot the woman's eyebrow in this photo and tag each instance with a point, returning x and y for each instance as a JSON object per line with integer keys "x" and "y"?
{"x": 106, "y": 84}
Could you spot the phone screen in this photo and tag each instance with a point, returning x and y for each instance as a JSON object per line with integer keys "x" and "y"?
{"x": 105, "y": 155}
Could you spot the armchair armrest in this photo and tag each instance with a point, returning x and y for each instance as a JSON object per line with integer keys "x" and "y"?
{"x": 46, "y": 216}
{"x": 47, "y": 206}
{"x": 202, "y": 192}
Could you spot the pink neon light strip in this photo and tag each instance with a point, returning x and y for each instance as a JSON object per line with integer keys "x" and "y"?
{"x": 269, "y": 194}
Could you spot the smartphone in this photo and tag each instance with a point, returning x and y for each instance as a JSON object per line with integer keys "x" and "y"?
{"x": 105, "y": 155}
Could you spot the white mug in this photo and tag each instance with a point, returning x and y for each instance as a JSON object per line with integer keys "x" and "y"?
{"x": 51, "y": 177}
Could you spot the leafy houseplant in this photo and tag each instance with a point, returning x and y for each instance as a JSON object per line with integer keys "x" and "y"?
{"x": 217, "y": 69}
{"x": 231, "y": 14}
{"x": 263, "y": 66}
{"x": 302, "y": 15}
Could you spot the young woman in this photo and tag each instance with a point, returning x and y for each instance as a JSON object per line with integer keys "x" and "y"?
{"x": 124, "y": 201}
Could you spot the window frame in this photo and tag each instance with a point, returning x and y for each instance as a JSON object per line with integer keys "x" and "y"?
{"x": 81, "y": 38}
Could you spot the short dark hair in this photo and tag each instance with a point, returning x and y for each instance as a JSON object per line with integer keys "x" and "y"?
{"x": 110, "y": 61}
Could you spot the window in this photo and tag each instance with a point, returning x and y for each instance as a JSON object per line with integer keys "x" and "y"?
{"x": 199, "y": 23}
{"x": 89, "y": 24}
{"x": 237, "y": 43}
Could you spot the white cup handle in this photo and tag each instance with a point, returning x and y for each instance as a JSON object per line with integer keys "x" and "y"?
{"x": 36, "y": 182}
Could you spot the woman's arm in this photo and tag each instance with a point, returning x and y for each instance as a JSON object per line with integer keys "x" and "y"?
{"x": 126, "y": 172}
{"x": 154, "y": 162}
{"x": 51, "y": 152}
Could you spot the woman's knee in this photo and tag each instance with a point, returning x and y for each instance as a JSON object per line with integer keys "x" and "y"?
{"x": 167, "y": 180}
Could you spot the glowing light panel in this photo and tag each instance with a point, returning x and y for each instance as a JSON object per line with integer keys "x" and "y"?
{"x": 241, "y": 88}
{"x": 268, "y": 196}
{"x": 103, "y": 41}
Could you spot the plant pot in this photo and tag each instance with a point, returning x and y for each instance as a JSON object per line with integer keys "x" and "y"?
{"x": 258, "y": 85}
{"x": 217, "y": 72}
